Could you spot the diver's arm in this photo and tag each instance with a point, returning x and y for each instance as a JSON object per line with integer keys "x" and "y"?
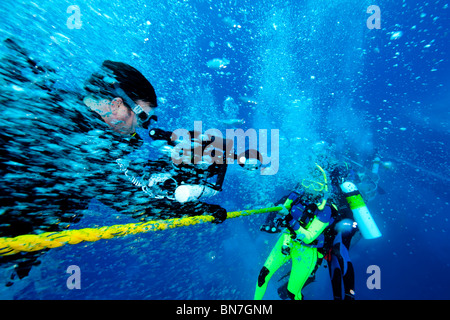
{"x": 312, "y": 232}
{"x": 286, "y": 206}
{"x": 220, "y": 170}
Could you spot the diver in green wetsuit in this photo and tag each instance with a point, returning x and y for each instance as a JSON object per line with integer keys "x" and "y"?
{"x": 306, "y": 214}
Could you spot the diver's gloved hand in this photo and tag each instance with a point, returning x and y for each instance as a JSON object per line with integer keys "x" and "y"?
{"x": 159, "y": 134}
{"x": 284, "y": 211}
{"x": 219, "y": 214}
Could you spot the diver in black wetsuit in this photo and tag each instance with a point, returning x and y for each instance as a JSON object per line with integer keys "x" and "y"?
{"x": 59, "y": 150}
{"x": 339, "y": 237}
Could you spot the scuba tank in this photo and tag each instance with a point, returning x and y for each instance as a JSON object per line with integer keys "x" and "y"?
{"x": 361, "y": 213}
{"x": 192, "y": 192}
{"x": 376, "y": 165}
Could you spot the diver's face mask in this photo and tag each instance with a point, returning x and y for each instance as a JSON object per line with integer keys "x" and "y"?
{"x": 315, "y": 186}
{"x": 314, "y": 191}
{"x": 144, "y": 118}
{"x": 317, "y": 190}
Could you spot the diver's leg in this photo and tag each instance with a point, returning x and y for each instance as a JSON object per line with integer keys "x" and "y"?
{"x": 338, "y": 267}
{"x": 304, "y": 260}
{"x": 349, "y": 273}
{"x": 276, "y": 259}
{"x": 336, "y": 278}
{"x": 349, "y": 282}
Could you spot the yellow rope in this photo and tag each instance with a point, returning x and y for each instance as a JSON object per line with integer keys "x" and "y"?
{"x": 32, "y": 242}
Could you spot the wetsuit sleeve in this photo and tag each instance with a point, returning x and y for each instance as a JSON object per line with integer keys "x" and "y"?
{"x": 312, "y": 232}
{"x": 290, "y": 199}
{"x": 219, "y": 171}
{"x": 316, "y": 227}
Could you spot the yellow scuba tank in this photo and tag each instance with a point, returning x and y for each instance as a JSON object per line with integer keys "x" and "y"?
{"x": 361, "y": 213}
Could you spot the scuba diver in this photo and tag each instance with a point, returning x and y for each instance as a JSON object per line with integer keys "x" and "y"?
{"x": 61, "y": 149}
{"x": 367, "y": 176}
{"x": 306, "y": 214}
{"x": 338, "y": 237}
{"x": 350, "y": 215}
{"x": 354, "y": 218}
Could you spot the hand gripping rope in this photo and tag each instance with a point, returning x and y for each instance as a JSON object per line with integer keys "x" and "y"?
{"x": 32, "y": 242}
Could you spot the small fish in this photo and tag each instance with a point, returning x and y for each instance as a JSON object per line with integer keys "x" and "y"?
{"x": 231, "y": 22}
{"x": 218, "y": 63}
{"x": 248, "y": 100}
{"x": 396, "y": 35}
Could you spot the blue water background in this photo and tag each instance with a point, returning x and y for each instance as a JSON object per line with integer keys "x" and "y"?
{"x": 317, "y": 73}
